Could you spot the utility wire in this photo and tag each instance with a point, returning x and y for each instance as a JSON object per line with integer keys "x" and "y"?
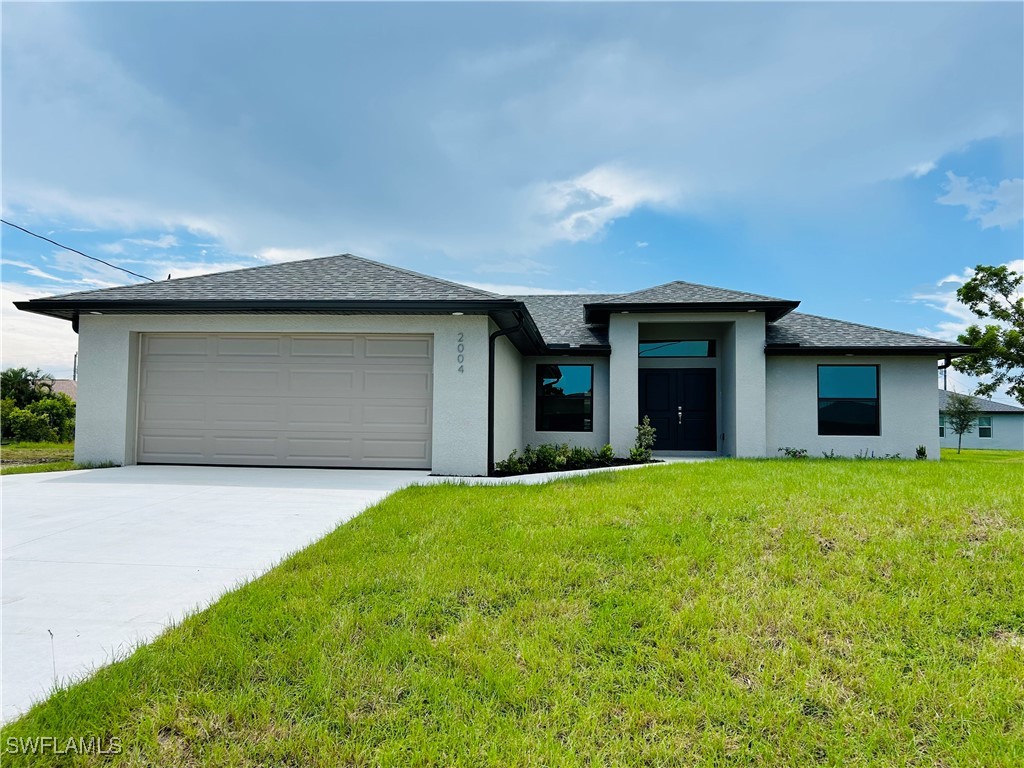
{"x": 75, "y": 250}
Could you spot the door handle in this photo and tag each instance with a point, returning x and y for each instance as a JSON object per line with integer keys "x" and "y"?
{"x": 679, "y": 413}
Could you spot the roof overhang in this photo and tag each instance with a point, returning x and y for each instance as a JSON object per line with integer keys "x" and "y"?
{"x": 773, "y": 310}
{"x": 950, "y": 351}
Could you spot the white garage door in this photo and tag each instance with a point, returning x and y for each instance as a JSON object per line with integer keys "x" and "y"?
{"x": 315, "y": 400}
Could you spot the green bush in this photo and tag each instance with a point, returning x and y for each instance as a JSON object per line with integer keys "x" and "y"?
{"x": 642, "y": 449}
{"x": 24, "y": 425}
{"x": 606, "y": 455}
{"x": 59, "y": 411}
{"x": 7, "y": 405}
{"x": 580, "y": 458}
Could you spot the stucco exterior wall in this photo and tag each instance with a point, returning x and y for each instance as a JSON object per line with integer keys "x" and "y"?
{"x": 508, "y": 398}
{"x": 1007, "y": 434}
{"x": 908, "y": 407}
{"x": 596, "y": 439}
{"x": 741, "y": 377}
{"x": 108, "y": 376}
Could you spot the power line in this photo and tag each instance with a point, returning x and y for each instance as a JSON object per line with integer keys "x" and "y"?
{"x": 75, "y": 250}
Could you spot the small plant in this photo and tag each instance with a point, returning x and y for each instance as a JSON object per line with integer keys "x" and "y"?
{"x": 831, "y": 454}
{"x": 922, "y": 453}
{"x": 793, "y": 453}
{"x": 513, "y": 465}
{"x": 606, "y": 455}
{"x": 580, "y": 458}
{"x": 644, "y": 446}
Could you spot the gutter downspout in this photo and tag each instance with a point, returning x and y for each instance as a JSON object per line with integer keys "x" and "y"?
{"x": 490, "y": 385}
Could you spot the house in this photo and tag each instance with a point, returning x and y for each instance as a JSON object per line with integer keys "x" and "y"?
{"x": 346, "y": 362}
{"x": 67, "y": 387}
{"x": 999, "y": 426}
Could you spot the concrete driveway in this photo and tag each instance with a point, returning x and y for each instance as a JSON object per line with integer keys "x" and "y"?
{"x": 105, "y": 559}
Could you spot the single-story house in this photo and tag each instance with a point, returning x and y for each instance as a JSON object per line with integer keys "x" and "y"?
{"x": 345, "y": 362}
{"x": 999, "y": 426}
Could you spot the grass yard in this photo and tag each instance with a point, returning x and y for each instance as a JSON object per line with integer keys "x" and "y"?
{"x": 973, "y": 455}
{"x": 777, "y": 613}
{"x": 31, "y": 458}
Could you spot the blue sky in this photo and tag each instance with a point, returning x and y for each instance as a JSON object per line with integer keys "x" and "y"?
{"x": 851, "y": 156}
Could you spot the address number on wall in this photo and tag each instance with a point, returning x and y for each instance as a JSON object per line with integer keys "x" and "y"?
{"x": 460, "y": 352}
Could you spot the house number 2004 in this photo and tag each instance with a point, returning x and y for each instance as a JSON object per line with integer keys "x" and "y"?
{"x": 460, "y": 350}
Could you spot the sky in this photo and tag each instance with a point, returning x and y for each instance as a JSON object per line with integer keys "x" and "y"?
{"x": 858, "y": 157}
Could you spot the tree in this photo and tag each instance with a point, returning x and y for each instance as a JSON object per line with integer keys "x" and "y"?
{"x": 961, "y": 413}
{"x": 995, "y": 292}
{"x": 24, "y": 386}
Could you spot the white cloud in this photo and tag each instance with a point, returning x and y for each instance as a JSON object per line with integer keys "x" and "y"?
{"x": 277, "y": 255}
{"x": 642, "y": 244}
{"x": 35, "y": 271}
{"x": 580, "y": 208}
{"x": 33, "y": 341}
{"x": 991, "y": 206}
{"x": 922, "y": 169}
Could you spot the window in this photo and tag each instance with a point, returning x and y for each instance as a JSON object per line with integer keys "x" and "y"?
{"x": 984, "y": 426}
{"x": 848, "y": 400}
{"x": 942, "y": 425}
{"x": 677, "y": 348}
{"x": 565, "y": 398}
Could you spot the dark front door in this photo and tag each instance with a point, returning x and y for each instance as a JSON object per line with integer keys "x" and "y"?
{"x": 681, "y": 405}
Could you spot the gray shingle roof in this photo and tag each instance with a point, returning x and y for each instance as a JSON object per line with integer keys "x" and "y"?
{"x": 812, "y": 331}
{"x": 332, "y": 278}
{"x": 983, "y": 405}
{"x": 560, "y": 319}
{"x": 679, "y": 292}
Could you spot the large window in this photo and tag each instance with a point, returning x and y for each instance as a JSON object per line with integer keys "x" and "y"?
{"x": 565, "y": 398}
{"x": 984, "y": 426}
{"x": 677, "y": 348}
{"x": 848, "y": 400}
{"x": 942, "y": 425}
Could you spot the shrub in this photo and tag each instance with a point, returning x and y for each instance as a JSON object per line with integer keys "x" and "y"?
{"x": 513, "y": 465}
{"x": 7, "y": 405}
{"x": 59, "y": 411}
{"x": 922, "y": 452}
{"x": 580, "y": 458}
{"x": 30, "y": 427}
{"x": 549, "y": 458}
{"x": 794, "y": 453}
{"x": 606, "y": 455}
{"x": 644, "y": 445}
{"x": 24, "y": 386}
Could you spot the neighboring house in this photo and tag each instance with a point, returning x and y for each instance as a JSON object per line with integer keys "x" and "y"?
{"x": 998, "y": 426}
{"x": 345, "y": 362}
{"x": 68, "y": 387}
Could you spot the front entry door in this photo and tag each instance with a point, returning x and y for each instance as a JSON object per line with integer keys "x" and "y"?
{"x": 680, "y": 403}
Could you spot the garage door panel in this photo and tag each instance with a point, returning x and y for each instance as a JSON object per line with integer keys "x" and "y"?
{"x": 403, "y": 349}
{"x": 317, "y": 383}
{"x": 382, "y": 449}
{"x": 248, "y": 346}
{"x": 171, "y": 380}
{"x": 320, "y": 400}
{"x": 312, "y": 346}
{"x": 175, "y": 346}
{"x": 407, "y": 416}
{"x": 397, "y": 383}
{"x": 174, "y": 414}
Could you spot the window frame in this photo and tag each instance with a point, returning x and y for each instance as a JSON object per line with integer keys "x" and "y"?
{"x": 942, "y": 425}
{"x": 538, "y": 398}
{"x": 711, "y": 354}
{"x": 987, "y": 426}
{"x": 877, "y": 427}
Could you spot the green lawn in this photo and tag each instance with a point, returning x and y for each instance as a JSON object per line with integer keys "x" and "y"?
{"x": 31, "y": 458}
{"x": 776, "y": 613}
{"x": 974, "y": 455}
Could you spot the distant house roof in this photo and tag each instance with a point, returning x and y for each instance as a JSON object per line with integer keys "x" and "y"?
{"x": 68, "y": 386}
{"x": 562, "y": 323}
{"x": 983, "y": 405}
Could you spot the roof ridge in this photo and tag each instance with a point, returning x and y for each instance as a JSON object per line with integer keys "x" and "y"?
{"x": 405, "y": 271}
{"x": 1012, "y": 408}
{"x": 701, "y": 285}
{"x": 869, "y": 327}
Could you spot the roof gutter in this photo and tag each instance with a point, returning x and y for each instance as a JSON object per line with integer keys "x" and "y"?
{"x": 491, "y": 341}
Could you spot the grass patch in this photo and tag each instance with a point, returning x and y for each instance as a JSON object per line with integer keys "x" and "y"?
{"x": 54, "y": 466}
{"x": 975, "y": 455}
{"x": 729, "y": 612}
{"x": 36, "y": 453}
